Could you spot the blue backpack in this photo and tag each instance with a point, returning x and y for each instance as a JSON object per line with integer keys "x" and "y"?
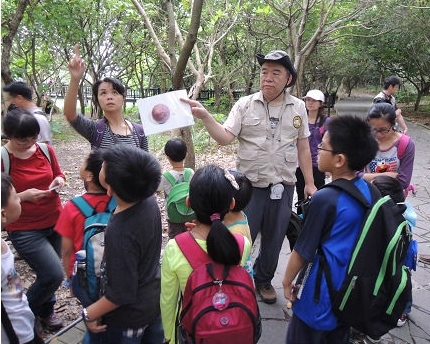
{"x": 86, "y": 288}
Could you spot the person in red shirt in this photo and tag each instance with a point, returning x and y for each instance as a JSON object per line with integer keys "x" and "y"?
{"x": 37, "y": 180}
{"x": 71, "y": 221}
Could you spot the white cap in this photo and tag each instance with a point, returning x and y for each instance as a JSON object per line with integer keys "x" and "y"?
{"x": 315, "y": 94}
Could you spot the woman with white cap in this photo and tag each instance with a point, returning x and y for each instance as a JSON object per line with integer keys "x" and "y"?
{"x": 317, "y": 121}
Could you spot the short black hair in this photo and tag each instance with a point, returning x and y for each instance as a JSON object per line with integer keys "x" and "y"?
{"x": 132, "y": 173}
{"x": 20, "y": 123}
{"x": 116, "y": 84}
{"x": 390, "y": 186}
{"x": 391, "y": 80}
{"x": 19, "y": 88}
{"x": 176, "y": 149}
{"x": 94, "y": 165}
{"x": 382, "y": 110}
{"x": 352, "y": 136}
{"x": 243, "y": 195}
{"x": 6, "y": 188}
{"x": 211, "y": 193}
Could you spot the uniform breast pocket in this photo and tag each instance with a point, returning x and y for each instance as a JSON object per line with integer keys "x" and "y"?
{"x": 252, "y": 128}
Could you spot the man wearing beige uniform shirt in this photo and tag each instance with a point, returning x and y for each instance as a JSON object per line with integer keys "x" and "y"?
{"x": 272, "y": 129}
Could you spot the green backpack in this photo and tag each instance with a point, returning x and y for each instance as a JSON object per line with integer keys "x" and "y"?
{"x": 177, "y": 210}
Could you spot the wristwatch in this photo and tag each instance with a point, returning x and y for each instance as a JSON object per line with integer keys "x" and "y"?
{"x": 85, "y": 316}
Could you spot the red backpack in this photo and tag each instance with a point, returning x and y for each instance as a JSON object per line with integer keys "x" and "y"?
{"x": 219, "y": 304}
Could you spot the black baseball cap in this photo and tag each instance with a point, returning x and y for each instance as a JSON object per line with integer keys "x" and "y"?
{"x": 19, "y": 88}
{"x": 281, "y": 57}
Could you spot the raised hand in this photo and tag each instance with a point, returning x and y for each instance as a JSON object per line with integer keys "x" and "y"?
{"x": 76, "y": 65}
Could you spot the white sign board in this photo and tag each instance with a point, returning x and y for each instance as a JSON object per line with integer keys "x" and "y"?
{"x": 165, "y": 112}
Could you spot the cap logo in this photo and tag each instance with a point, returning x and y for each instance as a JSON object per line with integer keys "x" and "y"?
{"x": 297, "y": 122}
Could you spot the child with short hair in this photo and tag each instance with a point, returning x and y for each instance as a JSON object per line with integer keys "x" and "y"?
{"x": 176, "y": 151}
{"x": 20, "y": 319}
{"x": 71, "y": 222}
{"x": 333, "y": 217}
{"x": 236, "y": 220}
{"x": 211, "y": 198}
{"x": 129, "y": 308}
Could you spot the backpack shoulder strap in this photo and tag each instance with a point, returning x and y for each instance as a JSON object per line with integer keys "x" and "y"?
{"x": 403, "y": 142}
{"x": 349, "y": 187}
{"x": 111, "y": 205}
{"x": 6, "y": 159}
{"x": 84, "y": 207}
{"x": 241, "y": 242}
{"x": 139, "y": 131}
{"x": 192, "y": 251}
{"x": 45, "y": 150}
{"x": 98, "y": 135}
{"x": 187, "y": 175}
{"x": 170, "y": 178}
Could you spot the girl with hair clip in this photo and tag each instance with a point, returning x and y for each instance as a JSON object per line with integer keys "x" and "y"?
{"x": 211, "y": 197}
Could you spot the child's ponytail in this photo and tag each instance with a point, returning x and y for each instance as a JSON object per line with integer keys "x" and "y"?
{"x": 211, "y": 194}
{"x": 222, "y": 245}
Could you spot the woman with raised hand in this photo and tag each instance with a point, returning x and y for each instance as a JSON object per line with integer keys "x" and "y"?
{"x": 109, "y": 94}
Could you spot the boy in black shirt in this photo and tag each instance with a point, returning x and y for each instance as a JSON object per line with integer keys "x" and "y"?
{"x": 129, "y": 311}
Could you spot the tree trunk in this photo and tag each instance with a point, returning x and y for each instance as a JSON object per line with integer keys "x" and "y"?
{"x": 418, "y": 100}
{"x": 7, "y": 40}
{"x": 217, "y": 91}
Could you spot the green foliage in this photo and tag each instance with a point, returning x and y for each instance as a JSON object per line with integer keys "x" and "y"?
{"x": 62, "y": 130}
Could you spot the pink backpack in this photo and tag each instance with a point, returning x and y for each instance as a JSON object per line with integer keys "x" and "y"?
{"x": 219, "y": 304}
{"x": 403, "y": 142}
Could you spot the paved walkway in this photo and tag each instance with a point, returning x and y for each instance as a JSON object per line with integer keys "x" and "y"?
{"x": 417, "y": 329}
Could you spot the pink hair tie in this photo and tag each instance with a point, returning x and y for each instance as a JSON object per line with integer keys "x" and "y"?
{"x": 215, "y": 216}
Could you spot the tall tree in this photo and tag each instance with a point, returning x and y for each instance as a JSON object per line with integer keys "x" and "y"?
{"x": 301, "y": 25}
{"x": 11, "y": 24}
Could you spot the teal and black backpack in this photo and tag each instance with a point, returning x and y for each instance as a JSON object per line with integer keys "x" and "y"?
{"x": 377, "y": 285}
{"x": 177, "y": 210}
{"x": 93, "y": 245}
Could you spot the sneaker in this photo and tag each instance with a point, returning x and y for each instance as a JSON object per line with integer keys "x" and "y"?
{"x": 53, "y": 322}
{"x": 372, "y": 340}
{"x": 267, "y": 293}
{"x": 402, "y": 320}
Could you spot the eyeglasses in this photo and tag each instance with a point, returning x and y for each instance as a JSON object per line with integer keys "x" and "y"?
{"x": 319, "y": 147}
{"x": 382, "y": 130}
{"x": 26, "y": 140}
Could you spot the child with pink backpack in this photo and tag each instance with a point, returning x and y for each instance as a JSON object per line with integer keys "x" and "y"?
{"x": 203, "y": 267}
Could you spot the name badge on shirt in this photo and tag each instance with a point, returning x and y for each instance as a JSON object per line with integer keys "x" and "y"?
{"x": 297, "y": 122}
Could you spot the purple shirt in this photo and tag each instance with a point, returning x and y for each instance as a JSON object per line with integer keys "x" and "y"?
{"x": 315, "y": 139}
